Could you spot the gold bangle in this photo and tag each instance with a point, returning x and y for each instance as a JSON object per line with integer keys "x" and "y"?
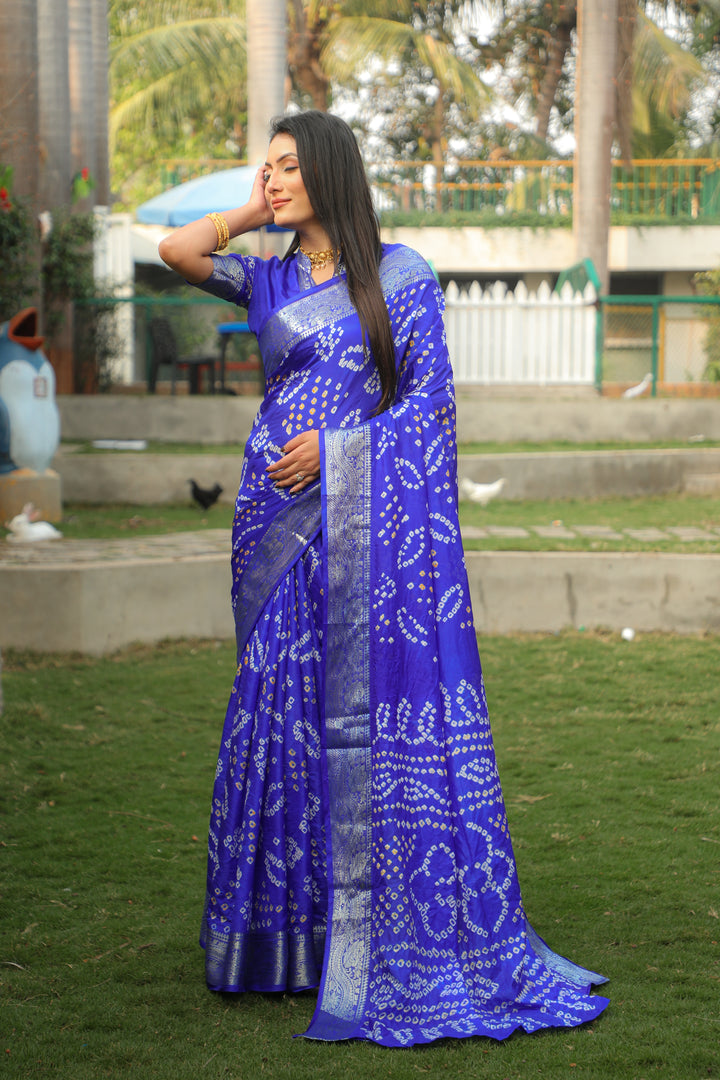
{"x": 222, "y": 229}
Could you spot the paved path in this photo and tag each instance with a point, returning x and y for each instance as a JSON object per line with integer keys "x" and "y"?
{"x": 682, "y": 533}
{"x": 216, "y": 542}
{"x": 177, "y": 546}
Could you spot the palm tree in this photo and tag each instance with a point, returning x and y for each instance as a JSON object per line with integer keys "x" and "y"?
{"x": 266, "y": 67}
{"x": 19, "y": 148}
{"x": 327, "y": 44}
{"x": 628, "y": 74}
{"x": 173, "y": 68}
{"x": 595, "y": 112}
{"x": 54, "y": 99}
{"x": 19, "y": 90}
{"x": 166, "y": 64}
{"x": 654, "y": 74}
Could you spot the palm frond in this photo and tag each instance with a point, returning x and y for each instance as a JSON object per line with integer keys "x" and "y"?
{"x": 664, "y": 71}
{"x": 176, "y": 42}
{"x": 141, "y": 107}
{"x": 351, "y": 41}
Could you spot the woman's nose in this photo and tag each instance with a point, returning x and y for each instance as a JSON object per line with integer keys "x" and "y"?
{"x": 272, "y": 184}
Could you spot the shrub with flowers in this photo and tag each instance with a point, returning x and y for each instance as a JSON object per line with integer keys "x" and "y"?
{"x": 17, "y": 272}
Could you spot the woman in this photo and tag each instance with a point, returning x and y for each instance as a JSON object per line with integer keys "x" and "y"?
{"x": 358, "y": 838}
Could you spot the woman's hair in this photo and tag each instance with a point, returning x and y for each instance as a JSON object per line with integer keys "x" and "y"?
{"x": 339, "y": 193}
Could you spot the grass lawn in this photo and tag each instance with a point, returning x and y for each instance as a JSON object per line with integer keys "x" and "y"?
{"x": 557, "y": 445}
{"x": 610, "y": 758}
{"x": 116, "y": 521}
{"x": 113, "y": 521}
{"x": 660, "y": 511}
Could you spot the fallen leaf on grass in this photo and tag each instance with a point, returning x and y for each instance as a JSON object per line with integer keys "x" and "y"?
{"x": 87, "y": 959}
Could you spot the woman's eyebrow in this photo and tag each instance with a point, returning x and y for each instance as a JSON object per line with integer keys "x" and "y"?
{"x": 288, "y": 153}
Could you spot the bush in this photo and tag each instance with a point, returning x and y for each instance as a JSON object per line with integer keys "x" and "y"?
{"x": 708, "y": 284}
{"x": 17, "y": 245}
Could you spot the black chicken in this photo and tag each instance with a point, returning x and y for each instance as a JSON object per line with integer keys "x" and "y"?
{"x": 205, "y": 497}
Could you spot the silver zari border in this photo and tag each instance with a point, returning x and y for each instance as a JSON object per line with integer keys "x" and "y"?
{"x": 347, "y": 718}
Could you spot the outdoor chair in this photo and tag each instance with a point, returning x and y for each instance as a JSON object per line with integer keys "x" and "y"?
{"x": 165, "y": 351}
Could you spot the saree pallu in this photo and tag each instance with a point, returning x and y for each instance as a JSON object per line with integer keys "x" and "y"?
{"x": 406, "y": 869}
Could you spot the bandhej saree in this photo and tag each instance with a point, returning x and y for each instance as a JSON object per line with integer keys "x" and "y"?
{"x": 358, "y": 837}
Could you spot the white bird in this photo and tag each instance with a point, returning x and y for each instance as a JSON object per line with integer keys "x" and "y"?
{"x": 481, "y": 493}
{"x": 25, "y": 527}
{"x": 639, "y": 390}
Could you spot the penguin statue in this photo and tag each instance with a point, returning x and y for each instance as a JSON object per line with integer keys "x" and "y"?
{"x": 29, "y": 418}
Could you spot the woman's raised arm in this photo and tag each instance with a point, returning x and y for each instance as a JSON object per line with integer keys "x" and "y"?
{"x": 187, "y": 249}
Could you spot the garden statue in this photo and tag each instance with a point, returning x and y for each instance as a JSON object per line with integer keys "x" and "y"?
{"x": 29, "y": 421}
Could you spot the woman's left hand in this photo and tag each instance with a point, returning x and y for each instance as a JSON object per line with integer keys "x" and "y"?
{"x": 300, "y": 464}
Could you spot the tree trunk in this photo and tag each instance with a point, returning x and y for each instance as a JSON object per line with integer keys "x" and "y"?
{"x": 627, "y": 18}
{"x": 54, "y": 95}
{"x": 304, "y": 55}
{"x": 101, "y": 98}
{"x": 82, "y": 92}
{"x": 266, "y": 73}
{"x": 266, "y": 66}
{"x": 559, "y": 48}
{"x": 594, "y": 116}
{"x": 19, "y": 114}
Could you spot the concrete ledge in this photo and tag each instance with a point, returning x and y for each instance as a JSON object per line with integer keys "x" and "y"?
{"x": 591, "y": 474}
{"x": 523, "y": 591}
{"x": 147, "y": 479}
{"x": 210, "y": 419}
{"x": 99, "y": 606}
{"x": 484, "y": 414}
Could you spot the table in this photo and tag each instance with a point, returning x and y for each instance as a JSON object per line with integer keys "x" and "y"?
{"x": 226, "y": 330}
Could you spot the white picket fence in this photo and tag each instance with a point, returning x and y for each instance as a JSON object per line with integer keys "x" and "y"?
{"x": 543, "y": 338}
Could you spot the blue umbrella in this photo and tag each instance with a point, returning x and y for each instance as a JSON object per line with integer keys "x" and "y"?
{"x": 222, "y": 190}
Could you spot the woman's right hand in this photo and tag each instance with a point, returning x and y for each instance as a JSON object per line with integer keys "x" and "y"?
{"x": 258, "y": 199}
{"x": 188, "y": 249}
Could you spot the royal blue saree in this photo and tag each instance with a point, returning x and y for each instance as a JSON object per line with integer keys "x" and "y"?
{"x": 358, "y": 837}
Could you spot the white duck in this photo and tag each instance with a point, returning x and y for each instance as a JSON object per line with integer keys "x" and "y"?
{"x": 639, "y": 390}
{"x": 481, "y": 493}
{"x": 25, "y": 527}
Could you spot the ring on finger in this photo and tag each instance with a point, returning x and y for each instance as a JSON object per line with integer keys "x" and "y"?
{"x": 299, "y": 476}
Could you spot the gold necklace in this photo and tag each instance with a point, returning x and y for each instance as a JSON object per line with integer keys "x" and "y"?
{"x": 320, "y": 259}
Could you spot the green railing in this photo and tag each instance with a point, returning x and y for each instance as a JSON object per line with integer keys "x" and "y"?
{"x": 660, "y": 191}
{"x": 195, "y": 317}
{"x": 657, "y": 191}
{"x": 659, "y": 339}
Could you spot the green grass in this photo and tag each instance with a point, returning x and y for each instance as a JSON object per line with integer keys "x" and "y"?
{"x": 609, "y": 755}
{"x": 117, "y": 521}
{"x": 554, "y": 446}
{"x": 114, "y": 521}
{"x": 660, "y": 511}
{"x": 562, "y": 446}
{"x": 160, "y": 448}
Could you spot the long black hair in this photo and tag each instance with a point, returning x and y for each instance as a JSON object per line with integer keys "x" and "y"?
{"x": 339, "y": 193}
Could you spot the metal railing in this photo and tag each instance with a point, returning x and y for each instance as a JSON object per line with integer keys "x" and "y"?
{"x": 661, "y": 191}
{"x": 113, "y": 333}
{"x": 658, "y": 340}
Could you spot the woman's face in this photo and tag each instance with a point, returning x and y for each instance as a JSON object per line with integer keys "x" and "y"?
{"x": 284, "y": 186}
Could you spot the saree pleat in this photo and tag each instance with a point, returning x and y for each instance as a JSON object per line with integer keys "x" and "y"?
{"x": 265, "y": 914}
